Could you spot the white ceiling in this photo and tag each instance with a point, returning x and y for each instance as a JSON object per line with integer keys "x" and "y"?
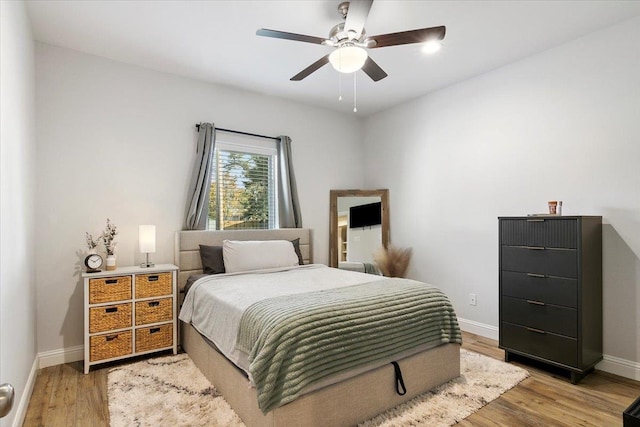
{"x": 215, "y": 41}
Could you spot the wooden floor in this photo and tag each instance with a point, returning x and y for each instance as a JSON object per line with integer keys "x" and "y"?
{"x": 64, "y": 396}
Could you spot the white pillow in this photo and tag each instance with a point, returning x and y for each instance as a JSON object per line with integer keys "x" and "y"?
{"x": 248, "y": 255}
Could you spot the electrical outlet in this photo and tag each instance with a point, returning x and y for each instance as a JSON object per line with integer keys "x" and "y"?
{"x": 472, "y": 299}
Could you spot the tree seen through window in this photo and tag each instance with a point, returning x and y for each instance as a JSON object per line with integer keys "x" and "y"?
{"x": 241, "y": 191}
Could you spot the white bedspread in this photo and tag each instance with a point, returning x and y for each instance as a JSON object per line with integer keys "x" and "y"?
{"x": 214, "y": 305}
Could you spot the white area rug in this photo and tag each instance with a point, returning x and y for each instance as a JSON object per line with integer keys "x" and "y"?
{"x": 171, "y": 391}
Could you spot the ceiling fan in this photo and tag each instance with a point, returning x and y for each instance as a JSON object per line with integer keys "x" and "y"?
{"x": 351, "y": 42}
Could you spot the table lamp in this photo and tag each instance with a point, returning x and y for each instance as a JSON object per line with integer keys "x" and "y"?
{"x": 147, "y": 239}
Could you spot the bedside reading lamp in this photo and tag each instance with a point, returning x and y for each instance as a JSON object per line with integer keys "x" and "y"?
{"x": 147, "y": 238}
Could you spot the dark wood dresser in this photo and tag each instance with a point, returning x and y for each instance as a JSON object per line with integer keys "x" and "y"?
{"x": 551, "y": 290}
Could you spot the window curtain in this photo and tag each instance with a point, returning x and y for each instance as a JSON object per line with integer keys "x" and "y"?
{"x": 198, "y": 196}
{"x": 288, "y": 205}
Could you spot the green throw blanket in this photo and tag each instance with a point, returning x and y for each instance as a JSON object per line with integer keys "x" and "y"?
{"x": 295, "y": 341}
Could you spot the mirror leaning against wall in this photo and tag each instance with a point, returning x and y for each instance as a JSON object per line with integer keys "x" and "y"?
{"x": 359, "y": 227}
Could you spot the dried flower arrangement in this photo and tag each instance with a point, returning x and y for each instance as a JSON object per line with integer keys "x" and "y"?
{"x": 393, "y": 261}
{"x": 108, "y": 237}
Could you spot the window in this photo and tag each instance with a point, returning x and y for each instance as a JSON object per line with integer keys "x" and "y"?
{"x": 243, "y": 187}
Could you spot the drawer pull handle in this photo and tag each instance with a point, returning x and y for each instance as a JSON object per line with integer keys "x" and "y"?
{"x": 538, "y": 331}
{"x": 111, "y": 337}
{"x": 111, "y": 310}
{"x": 536, "y": 220}
{"x": 153, "y": 278}
{"x": 154, "y": 303}
{"x": 154, "y": 330}
{"x": 111, "y": 281}
{"x": 539, "y": 276}
{"x": 535, "y": 302}
{"x": 536, "y": 248}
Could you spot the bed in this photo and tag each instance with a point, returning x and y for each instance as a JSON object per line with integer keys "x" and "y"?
{"x": 346, "y": 398}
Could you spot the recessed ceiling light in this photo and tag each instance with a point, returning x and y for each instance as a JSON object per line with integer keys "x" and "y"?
{"x": 431, "y": 47}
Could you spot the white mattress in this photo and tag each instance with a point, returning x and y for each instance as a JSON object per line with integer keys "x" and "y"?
{"x": 214, "y": 305}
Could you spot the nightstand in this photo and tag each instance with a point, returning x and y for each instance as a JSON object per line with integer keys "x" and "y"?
{"x": 128, "y": 312}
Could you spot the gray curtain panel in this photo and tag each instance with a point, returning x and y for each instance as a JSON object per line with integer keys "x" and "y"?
{"x": 198, "y": 199}
{"x": 288, "y": 205}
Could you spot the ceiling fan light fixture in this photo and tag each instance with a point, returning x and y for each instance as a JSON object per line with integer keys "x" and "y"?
{"x": 348, "y": 59}
{"x": 431, "y": 47}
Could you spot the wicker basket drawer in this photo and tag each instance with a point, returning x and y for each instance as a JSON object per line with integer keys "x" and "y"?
{"x": 107, "y": 289}
{"x": 109, "y": 317}
{"x": 154, "y": 337}
{"x": 153, "y": 311}
{"x": 110, "y": 345}
{"x": 153, "y": 285}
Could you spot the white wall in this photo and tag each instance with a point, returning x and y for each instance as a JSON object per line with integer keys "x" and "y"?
{"x": 118, "y": 141}
{"x": 17, "y": 206}
{"x": 561, "y": 125}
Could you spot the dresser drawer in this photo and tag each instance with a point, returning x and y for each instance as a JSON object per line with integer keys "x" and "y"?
{"x": 154, "y": 285}
{"x": 154, "y": 337}
{"x": 549, "y": 262}
{"x": 153, "y": 311}
{"x": 547, "y": 346}
{"x": 107, "y": 289}
{"x": 531, "y": 313}
{"x": 550, "y": 233}
{"x": 551, "y": 290}
{"x": 110, "y": 345}
{"x": 109, "y": 317}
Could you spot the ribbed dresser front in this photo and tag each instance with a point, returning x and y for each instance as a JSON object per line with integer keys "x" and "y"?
{"x": 551, "y": 290}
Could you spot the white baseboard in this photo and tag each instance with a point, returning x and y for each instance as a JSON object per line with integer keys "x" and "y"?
{"x": 478, "y": 328}
{"x": 60, "y": 356}
{"x": 23, "y": 404}
{"x": 624, "y": 368}
{"x": 611, "y": 364}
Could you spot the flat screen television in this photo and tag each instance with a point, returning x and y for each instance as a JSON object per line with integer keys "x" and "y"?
{"x": 365, "y": 215}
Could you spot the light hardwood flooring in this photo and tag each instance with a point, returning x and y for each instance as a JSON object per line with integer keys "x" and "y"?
{"x": 64, "y": 396}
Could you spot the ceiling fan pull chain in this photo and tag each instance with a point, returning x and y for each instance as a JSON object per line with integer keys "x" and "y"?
{"x": 339, "y": 87}
{"x": 355, "y": 95}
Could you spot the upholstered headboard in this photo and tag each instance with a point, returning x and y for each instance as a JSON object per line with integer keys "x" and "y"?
{"x": 187, "y": 247}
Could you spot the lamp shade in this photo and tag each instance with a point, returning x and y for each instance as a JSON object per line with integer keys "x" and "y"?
{"x": 147, "y": 238}
{"x": 348, "y": 59}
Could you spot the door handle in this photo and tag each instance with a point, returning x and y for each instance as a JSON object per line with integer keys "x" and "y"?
{"x": 6, "y": 399}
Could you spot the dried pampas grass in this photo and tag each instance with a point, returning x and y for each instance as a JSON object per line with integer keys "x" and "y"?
{"x": 393, "y": 261}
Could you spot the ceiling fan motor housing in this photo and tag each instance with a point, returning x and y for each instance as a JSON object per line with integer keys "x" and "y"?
{"x": 338, "y": 35}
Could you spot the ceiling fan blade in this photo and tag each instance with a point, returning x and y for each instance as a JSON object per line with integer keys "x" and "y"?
{"x": 357, "y": 16}
{"x": 373, "y": 70}
{"x": 289, "y": 36}
{"x": 310, "y": 69}
{"x": 407, "y": 37}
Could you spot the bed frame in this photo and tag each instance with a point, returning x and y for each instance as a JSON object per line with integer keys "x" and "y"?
{"x": 344, "y": 403}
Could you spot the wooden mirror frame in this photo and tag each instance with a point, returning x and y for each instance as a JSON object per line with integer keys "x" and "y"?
{"x": 333, "y": 217}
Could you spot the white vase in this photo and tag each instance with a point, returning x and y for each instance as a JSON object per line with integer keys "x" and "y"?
{"x": 111, "y": 262}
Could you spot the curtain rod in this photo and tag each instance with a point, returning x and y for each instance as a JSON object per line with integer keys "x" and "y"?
{"x": 242, "y": 133}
